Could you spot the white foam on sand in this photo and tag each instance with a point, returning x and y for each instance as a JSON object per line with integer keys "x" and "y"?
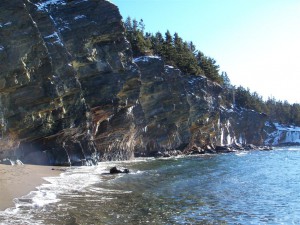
{"x": 76, "y": 179}
{"x": 75, "y": 182}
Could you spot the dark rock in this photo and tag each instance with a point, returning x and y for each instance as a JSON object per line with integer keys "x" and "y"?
{"x": 5, "y": 162}
{"x": 169, "y": 153}
{"x": 209, "y": 149}
{"x": 159, "y": 154}
{"x": 223, "y": 149}
{"x": 237, "y": 146}
{"x": 194, "y": 150}
{"x": 251, "y": 147}
{"x": 265, "y": 148}
{"x": 166, "y": 155}
{"x": 115, "y": 170}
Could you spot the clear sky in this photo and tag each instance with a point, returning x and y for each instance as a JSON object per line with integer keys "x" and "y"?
{"x": 257, "y": 42}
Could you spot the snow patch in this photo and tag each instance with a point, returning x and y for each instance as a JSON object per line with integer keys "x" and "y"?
{"x": 283, "y": 134}
{"x": 79, "y": 17}
{"x": 1, "y": 48}
{"x": 64, "y": 28}
{"x": 44, "y": 5}
{"x": 286, "y": 128}
{"x": 55, "y": 37}
{"x": 168, "y": 68}
{"x": 145, "y": 58}
{"x": 8, "y": 24}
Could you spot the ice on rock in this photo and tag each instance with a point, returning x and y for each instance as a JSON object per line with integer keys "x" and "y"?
{"x": 44, "y": 5}
{"x": 145, "y": 58}
{"x": 168, "y": 68}
{"x": 55, "y": 37}
{"x": 283, "y": 134}
{"x": 79, "y": 17}
{"x": 8, "y": 23}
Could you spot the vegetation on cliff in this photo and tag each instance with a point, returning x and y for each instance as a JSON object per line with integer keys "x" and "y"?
{"x": 173, "y": 50}
{"x": 184, "y": 55}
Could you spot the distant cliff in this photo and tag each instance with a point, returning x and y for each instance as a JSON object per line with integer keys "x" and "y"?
{"x": 278, "y": 134}
{"x": 71, "y": 93}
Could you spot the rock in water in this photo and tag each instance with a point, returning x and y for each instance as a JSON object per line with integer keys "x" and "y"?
{"x": 115, "y": 170}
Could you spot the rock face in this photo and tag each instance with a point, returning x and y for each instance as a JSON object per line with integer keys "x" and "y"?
{"x": 66, "y": 71}
{"x": 279, "y": 134}
{"x": 177, "y": 111}
{"x": 71, "y": 94}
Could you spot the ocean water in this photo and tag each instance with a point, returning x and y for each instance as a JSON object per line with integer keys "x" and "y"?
{"x": 256, "y": 187}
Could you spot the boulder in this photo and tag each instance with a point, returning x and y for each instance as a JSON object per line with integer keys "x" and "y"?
{"x": 194, "y": 150}
{"x": 223, "y": 149}
{"x": 115, "y": 170}
{"x": 6, "y": 162}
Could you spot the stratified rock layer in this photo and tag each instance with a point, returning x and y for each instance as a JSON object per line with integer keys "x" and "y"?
{"x": 178, "y": 111}
{"x": 66, "y": 68}
{"x": 71, "y": 94}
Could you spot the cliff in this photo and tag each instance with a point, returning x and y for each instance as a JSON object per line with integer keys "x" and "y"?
{"x": 278, "y": 134}
{"x": 71, "y": 93}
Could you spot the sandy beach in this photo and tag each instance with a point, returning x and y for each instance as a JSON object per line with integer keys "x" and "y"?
{"x": 19, "y": 180}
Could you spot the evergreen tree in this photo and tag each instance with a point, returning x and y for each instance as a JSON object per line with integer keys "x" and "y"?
{"x": 157, "y": 43}
{"x": 142, "y": 26}
{"x": 192, "y": 47}
{"x": 295, "y": 114}
{"x": 128, "y": 24}
{"x": 135, "y": 25}
{"x": 135, "y": 35}
{"x": 209, "y": 67}
{"x": 225, "y": 80}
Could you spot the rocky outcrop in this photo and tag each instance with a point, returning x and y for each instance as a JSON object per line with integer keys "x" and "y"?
{"x": 278, "y": 134}
{"x": 183, "y": 112}
{"x": 66, "y": 71}
{"x": 71, "y": 94}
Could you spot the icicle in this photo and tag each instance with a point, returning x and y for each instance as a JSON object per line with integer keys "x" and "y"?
{"x": 222, "y": 137}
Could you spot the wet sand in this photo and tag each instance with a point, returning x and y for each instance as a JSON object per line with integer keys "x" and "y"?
{"x": 19, "y": 180}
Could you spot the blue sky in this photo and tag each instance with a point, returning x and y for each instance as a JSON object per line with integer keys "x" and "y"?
{"x": 257, "y": 42}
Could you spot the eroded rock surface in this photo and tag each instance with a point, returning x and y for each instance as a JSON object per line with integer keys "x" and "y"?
{"x": 66, "y": 70}
{"x": 71, "y": 94}
{"x": 184, "y": 112}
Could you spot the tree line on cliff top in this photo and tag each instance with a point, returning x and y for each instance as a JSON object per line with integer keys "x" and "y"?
{"x": 184, "y": 56}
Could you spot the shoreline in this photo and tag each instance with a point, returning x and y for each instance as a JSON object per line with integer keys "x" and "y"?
{"x": 19, "y": 180}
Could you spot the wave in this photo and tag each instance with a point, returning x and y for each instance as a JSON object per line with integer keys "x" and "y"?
{"x": 73, "y": 180}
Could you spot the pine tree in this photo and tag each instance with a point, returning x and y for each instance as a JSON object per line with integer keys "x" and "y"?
{"x": 135, "y": 35}
{"x": 157, "y": 43}
{"x": 168, "y": 50}
{"x": 135, "y": 25}
{"x": 225, "y": 80}
{"x": 208, "y": 65}
{"x": 141, "y": 26}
